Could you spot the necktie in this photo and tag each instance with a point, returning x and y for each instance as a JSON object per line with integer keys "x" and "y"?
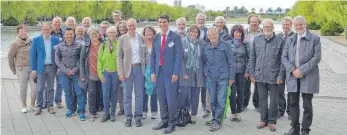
{"x": 297, "y": 54}
{"x": 162, "y": 49}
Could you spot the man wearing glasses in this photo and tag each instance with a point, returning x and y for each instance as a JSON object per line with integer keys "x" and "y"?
{"x": 267, "y": 72}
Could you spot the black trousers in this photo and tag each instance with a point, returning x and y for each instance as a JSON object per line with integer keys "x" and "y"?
{"x": 94, "y": 95}
{"x": 268, "y": 111}
{"x": 236, "y": 97}
{"x": 283, "y": 105}
{"x": 247, "y": 95}
{"x": 295, "y": 109}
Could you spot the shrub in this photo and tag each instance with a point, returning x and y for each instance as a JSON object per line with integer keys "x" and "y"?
{"x": 346, "y": 33}
{"x": 31, "y": 22}
{"x": 313, "y": 26}
{"x": 11, "y": 21}
{"x": 331, "y": 29}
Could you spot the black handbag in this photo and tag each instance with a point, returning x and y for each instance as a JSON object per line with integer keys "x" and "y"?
{"x": 183, "y": 117}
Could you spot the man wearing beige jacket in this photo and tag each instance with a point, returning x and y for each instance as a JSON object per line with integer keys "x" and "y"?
{"x": 131, "y": 64}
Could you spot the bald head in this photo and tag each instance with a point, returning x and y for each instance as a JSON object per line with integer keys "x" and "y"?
{"x": 112, "y": 33}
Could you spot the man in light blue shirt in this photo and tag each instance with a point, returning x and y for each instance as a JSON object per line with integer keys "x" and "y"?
{"x": 44, "y": 68}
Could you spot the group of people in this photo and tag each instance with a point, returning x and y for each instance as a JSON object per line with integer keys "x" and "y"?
{"x": 104, "y": 65}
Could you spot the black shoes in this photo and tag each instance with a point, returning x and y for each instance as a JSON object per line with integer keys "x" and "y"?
{"x": 127, "y": 123}
{"x": 169, "y": 129}
{"x": 161, "y": 125}
{"x": 293, "y": 131}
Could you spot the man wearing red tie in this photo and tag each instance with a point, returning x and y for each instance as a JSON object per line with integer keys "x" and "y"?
{"x": 165, "y": 65}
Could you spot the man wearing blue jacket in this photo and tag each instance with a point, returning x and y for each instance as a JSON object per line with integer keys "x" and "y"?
{"x": 220, "y": 69}
{"x": 42, "y": 61}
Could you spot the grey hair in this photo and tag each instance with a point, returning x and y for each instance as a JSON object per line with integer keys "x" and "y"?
{"x": 200, "y": 14}
{"x": 181, "y": 19}
{"x": 111, "y": 28}
{"x": 71, "y": 18}
{"x": 213, "y": 28}
{"x": 299, "y": 18}
{"x": 80, "y": 27}
{"x": 57, "y": 18}
{"x": 287, "y": 19}
{"x": 105, "y": 22}
{"x": 269, "y": 20}
{"x": 220, "y": 18}
{"x": 91, "y": 28}
{"x": 87, "y": 19}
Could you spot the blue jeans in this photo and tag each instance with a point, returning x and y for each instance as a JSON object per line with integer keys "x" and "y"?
{"x": 154, "y": 101}
{"x": 58, "y": 90}
{"x": 218, "y": 95}
{"x": 135, "y": 79}
{"x": 70, "y": 86}
{"x": 109, "y": 91}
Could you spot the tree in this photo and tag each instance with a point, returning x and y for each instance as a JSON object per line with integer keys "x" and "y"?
{"x": 269, "y": 11}
{"x": 279, "y": 10}
{"x": 126, "y": 9}
{"x": 243, "y": 10}
{"x": 261, "y": 10}
{"x": 253, "y": 10}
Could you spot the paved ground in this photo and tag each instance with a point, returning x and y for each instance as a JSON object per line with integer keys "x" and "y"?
{"x": 330, "y": 108}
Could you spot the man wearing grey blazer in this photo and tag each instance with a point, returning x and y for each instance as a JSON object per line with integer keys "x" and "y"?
{"x": 282, "y": 103}
{"x": 300, "y": 57}
{"x": 131, "y": 65}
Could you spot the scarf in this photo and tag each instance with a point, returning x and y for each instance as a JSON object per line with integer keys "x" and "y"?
{"x": 26, "y": 41}
{"x": 193, "y": 54}
{"x": 236, "y": 41}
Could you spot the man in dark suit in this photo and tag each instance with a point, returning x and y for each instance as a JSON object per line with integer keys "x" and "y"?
{"x": 165, "y": 65}
{"x": 282, "y": 105}
{"x": 300, "y": 57}
{"x": 42, "y": 61}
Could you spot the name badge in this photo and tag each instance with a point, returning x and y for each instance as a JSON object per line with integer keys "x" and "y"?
{"x": 186, "y": 50}
{"x": 171, "y": 44}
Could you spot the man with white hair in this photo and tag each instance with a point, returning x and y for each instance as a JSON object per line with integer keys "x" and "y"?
{"x": 87, "y": 22}
{"x": 220, "y": 68}
{"x": 58, "y": 32}
{"x": 181, "y": 27}
{"x": 301, "y": 56}
{"x": 131, "y": 66}
{"x": 223, "y": 30}
{"x": 80, "y": 33}
{"x": 200, "y": 20}
{"x": 267, "y": 72}
{"x": 71, "y": 22}
{"x": 287, "y": 32}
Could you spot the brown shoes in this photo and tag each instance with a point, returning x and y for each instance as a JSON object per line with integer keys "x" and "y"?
{"x": 38, "y": 111}
{"x": 272, "y": 127}
{"x": 261, "y": 125}
{"x": 51, "y": 110}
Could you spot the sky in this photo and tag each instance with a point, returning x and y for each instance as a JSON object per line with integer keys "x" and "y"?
{"x": 222, "y": 4}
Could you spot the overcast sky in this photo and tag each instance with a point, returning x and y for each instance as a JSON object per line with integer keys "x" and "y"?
{"x": 222, "y": 4}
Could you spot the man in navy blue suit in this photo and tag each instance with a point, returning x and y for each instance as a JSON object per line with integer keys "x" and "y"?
{"x": 165, "y": 65}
